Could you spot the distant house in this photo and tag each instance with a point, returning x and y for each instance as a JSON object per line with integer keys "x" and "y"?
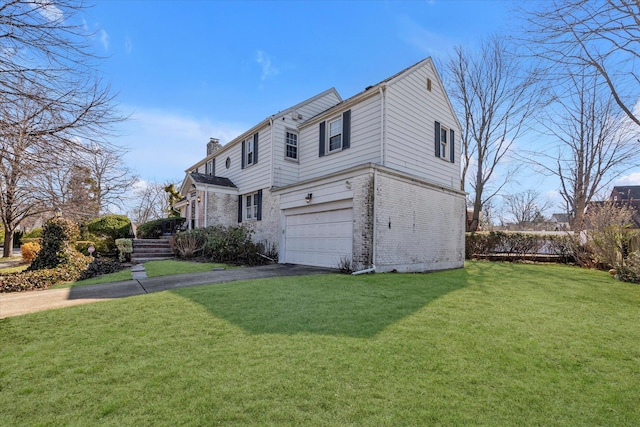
{"x": 628, "y": 195}
{"x": 373, "y": 179}
{"x": 560, "y": 221}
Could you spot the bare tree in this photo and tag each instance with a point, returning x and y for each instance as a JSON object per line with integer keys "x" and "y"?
{"x": 152, "y": 202}
{"x": 526, "y": 208}
{"x": 600, "y": 36}
{"x": 52, "y": 104}
{"x": 112, "y": 178}
{"x": 493, "y": 94}
{"x": 592, "y": 143}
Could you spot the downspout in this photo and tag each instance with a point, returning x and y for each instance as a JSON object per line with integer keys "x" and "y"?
{"x": 383, "y": 148}
{"x": 273, "y": 152}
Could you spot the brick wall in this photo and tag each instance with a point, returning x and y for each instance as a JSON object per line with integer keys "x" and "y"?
{"x": 418, "y": 227}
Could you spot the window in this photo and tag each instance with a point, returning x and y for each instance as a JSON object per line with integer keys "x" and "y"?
{"x": 291, "y": 145}
{"x": 250, "y": 151}
{"x": 209, "y": 167}
{"x": 335, "y": 135}
{"x": 251, "y": 206}
{"x": 227, "y": 162}
{"x": 443, "y": 141}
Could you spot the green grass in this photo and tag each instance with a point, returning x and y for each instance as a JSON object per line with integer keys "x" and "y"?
{"x": 493, "y": 344}
{"x": 15, "y": 269}
{"x": 152, "y": 268}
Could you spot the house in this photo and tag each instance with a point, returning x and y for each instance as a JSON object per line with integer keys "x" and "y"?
{"x": 628, "y": 195}
{"x": 560, "y": 221}
{"x": 373, "y": 179}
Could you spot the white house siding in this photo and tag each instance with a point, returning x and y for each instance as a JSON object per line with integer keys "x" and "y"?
{"x": 411, "y": 111}
{"x": 418, "y": 227}
{"x": 365, "y": 142}
{"x": 286, "y": 171}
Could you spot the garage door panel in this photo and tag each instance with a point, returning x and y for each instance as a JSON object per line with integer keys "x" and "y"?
{"x": 319, "y": 238}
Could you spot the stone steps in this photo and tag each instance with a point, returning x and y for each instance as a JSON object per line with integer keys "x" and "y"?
{"x": 151, "y": 250}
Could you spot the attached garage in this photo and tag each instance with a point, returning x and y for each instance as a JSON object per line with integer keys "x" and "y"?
{"x": 320, "y": 238}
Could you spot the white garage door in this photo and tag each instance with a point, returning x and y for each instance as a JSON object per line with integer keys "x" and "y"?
{"x": 320, "y": 238}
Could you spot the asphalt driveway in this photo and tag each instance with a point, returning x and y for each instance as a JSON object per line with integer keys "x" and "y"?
{"x": 14, "y": 304}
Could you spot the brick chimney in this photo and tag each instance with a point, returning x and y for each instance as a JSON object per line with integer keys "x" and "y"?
{"x": 213, "y": 146}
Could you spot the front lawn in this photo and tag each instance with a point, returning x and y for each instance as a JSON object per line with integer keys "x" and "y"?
{"x": 152, "y": 269}
{"x": 493, "y": 344}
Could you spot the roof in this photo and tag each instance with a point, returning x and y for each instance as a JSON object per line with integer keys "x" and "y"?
{"x": 560, "y": 217}
{"x": 627, "y": 192}
{"x": 201, "y": 178}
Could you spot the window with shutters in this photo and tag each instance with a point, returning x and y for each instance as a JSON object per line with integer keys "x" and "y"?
{"x": 291, "y": 145}
{"x": 251, "y": 206}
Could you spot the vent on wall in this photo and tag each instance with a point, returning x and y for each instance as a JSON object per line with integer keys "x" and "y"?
{"x": 429, "y": 85}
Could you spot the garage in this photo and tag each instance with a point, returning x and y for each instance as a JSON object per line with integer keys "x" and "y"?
{"x": 320, "y": 239}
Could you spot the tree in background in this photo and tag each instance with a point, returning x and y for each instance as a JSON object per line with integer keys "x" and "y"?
{"x": 592, "y": 143}
{"x": 173, "y": 197}
{"x": 153, "y": 202}
{"x": 526, "y": 208}
{"x": 494, "y": 96}
{"x": 599, "y": 37}
{"x": 52, "y": 104}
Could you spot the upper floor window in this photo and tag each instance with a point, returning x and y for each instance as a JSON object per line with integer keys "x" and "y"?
{"x": 209, "y": 167}
{"x": 250, "y": 151}
{"x": 335, "y": 134}
{"x": 291, "y": 145}
{"x": 443, "y": 141}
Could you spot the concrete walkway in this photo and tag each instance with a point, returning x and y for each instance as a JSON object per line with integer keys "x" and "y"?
{"x": 14, "y": 304}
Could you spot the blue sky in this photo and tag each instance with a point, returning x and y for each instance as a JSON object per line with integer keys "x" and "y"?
{"x": 189, "y": 70}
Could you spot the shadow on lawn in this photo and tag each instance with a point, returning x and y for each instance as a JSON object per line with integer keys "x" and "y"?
{"x": 328, "y": 304}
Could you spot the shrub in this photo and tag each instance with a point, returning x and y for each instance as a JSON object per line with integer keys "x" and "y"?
{"x": 29, "y": 251}
{"x": 57, "y": 236}
{"x": 36, "y": 233}
{"x": 629, "y": 271}
{"x": 43, "y": 278}
{"x": 188, "y": 243}
{"x": 125, "y": 249}
{"x": 98, "y": 267}
{"x": 105, "y": 230}
{"x": 154, "y": 229}
{"x": 232, "y": 245}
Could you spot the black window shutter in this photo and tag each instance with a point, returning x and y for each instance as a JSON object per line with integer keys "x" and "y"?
{"x": 346, "y": 129}
{"x": 453, "y": 146}
{"x": 244, "y": 155}
{"x": 240, "y": 208}
{"x": 437, "y": 126}
{"x": 255, "y": 148}
{"x": 259, "y": 214}
{"x": 322, "y": 130}
{"x": 213, "y": 167}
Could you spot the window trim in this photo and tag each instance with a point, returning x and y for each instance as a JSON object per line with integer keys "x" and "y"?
{"x": 250, "y": 154}
{"x": 329, "y": 136}
{"x": 287, "y": 145}
{"x": 444, "y": 147}
{"x": 250, "y": 201}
